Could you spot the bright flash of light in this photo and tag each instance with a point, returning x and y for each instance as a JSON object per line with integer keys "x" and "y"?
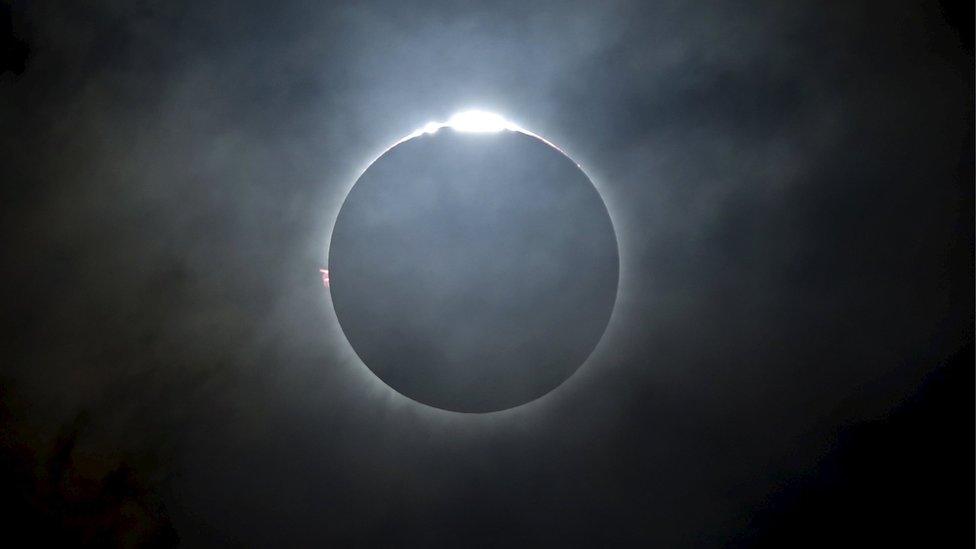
{"x": 473, "y": 121}
{"x": 479, "y": 122}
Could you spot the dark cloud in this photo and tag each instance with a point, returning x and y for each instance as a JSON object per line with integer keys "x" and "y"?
{"x": 65, "y": 495}
{"x": 791, "y": 184}
{"x": 920, "y": 452}
{"x": 16, "y": 50}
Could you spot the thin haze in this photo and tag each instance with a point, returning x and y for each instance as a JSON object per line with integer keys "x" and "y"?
{"x": 787, "y": 182}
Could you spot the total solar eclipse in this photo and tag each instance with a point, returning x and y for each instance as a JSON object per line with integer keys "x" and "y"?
{"x": 473, "y": 266}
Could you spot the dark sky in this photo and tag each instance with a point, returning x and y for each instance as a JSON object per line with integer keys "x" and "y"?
{"x": 789, "y": 361}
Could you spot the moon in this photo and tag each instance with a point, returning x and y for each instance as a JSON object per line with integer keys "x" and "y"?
{"x": 473, "y": 266}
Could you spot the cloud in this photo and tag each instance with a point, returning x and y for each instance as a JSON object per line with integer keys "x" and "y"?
{"x": 791, "y": 187}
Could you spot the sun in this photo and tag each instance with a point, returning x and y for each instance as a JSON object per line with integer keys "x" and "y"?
{"x": 448, "y": 258}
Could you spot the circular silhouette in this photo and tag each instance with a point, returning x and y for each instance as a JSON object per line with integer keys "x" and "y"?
{"x": 473, "y": 272}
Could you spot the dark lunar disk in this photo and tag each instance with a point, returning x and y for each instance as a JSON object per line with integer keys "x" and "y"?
{"x": 473, "y": 271}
